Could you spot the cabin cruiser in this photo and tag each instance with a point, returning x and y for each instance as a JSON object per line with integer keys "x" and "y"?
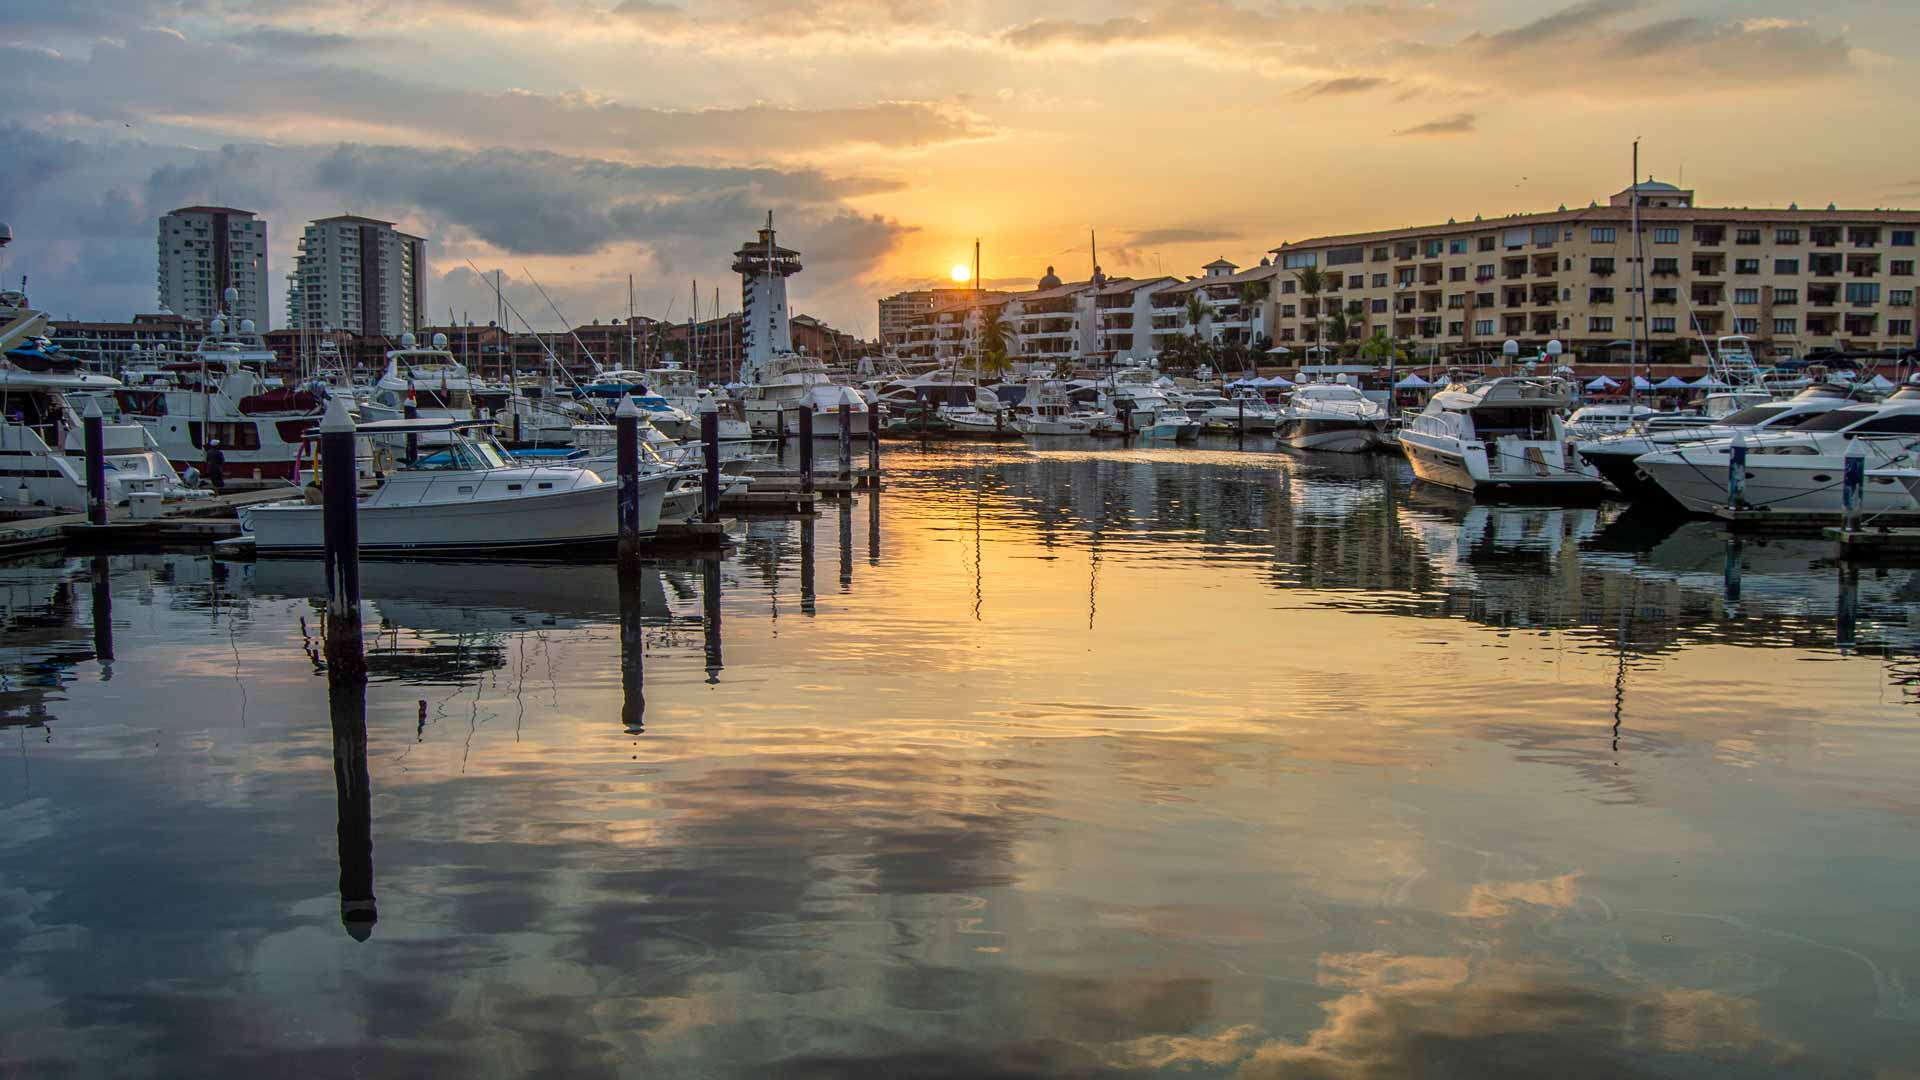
{"x": 1500, "y": 435}
{"x": 1331, "y": 416}
{"x": 1141, "y": 403}
{"x": 1045, "y": 410}
{"x": 1798, "y": 469}
{"x": 1260, "y": 416}
{"x": 465, "y": 496}
{"x": 221, "y": 395}
{"x": 437, "y": 385}
{"x": 1614, "y": 457}
{"x": 1590, "y": 422}
{"x": 793, "y": 383}
{"x": 680, "y": 387}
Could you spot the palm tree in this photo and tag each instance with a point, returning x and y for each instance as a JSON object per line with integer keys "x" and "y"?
{"x": 1312, "y": 281}
{"x": 994, "y": 363}
{"x": 1197, "y": 310}
{"x": 993, "y": 333}
{"x": 1339, "y": 329}
{"x": 1253, "y": 292}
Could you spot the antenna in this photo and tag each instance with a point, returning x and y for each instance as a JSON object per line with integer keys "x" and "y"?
{"x": 1094, "y": 243}
{"x": 976, "y": 264}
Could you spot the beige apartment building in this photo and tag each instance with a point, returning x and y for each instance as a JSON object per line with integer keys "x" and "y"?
{"x": 1791, "y": 280}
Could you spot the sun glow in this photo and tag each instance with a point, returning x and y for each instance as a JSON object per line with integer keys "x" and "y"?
{"x": 961, "y": 273}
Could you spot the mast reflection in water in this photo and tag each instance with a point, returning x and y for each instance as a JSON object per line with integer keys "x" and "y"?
{"x": 1143, "y": 761}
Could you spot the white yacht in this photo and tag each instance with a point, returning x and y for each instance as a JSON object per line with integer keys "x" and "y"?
{"x": 43, "y": 444}
{"x": 1331, "y": 416}
{"x": 465, "y": 496}
{"x": 1614, "y": 457}
{"x": 221, "y": 393}
{"x": 1142, "y": 405}
{"x": 1047, "y": 411}
{"x": 1499, "y": 435}
{"x": 680, "y": 387}
{"x": 791, "y": 383}
{"x": 1260, "y": 416}
{"x": 1799, "y": 469}
{"x": 1590, "y": 422}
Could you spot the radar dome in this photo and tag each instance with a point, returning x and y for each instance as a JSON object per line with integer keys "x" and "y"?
{"x": 246, "y": 326}
{"x": 406, "y": 341}
{"x": 439, "y": 341}
{"x": 217, "y": 324}
{"x": 232, "y": 296}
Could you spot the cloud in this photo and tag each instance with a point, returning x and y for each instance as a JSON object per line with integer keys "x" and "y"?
{"x": 1566, "y": 22}
{"x": 1192, "y": 234}
{"x": 273, "y": 39}
{"x": 1457, "y": 124}
{"x": 1350, "y": 84}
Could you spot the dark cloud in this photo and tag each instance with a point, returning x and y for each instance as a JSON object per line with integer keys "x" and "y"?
{"x": 1192, "y": 234}
{"x": 1578, "y": 19}
{"x": 1351, "y": 84}
{"x": 273, "y": 39}
{"x": 1457, "y": 124}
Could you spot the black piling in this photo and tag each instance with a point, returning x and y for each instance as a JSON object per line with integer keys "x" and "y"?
{"x": 806, "y": 566}
{"x": 626, "y": 459}
{"x": 873, "y": 445}
{"x": 94, "y": 428}
{"x": 412, "y": 412}
{"x": 710, "y": 603}
{"x": 846, "y": 435}
{"x": 340, "y": 537}
{"x": 846, "y": 544}
{"x": 102, "y": 617}
{"x": 353, "y": 802}
{"x": 873, "y": 525}
{"x": 633, "y": 698}
{"x": 710, "y": 478}
{"x": 806, "y": 451}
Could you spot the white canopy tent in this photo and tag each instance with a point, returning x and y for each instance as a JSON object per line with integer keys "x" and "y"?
{"x": 1603, "y": 383}
{"x": 1412, "y": 382}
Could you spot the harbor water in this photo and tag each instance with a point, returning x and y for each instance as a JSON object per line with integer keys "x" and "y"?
{"x": 1080, "y": 760}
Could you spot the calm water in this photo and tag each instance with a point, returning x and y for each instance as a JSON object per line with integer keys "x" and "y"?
{"x": 1065, "y": 763}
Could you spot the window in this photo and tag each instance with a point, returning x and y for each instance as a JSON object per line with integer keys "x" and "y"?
{"x": 1666, "y": 267}
{"x": 1543, "y": 235}
{"x": 1900, "y": 268}
{"x": 1482, "y": 326}
{"x": 1380, "y": 253}
{"x": 1380, "y": 307}
{"x": 1746, "y": 236}
{"x": 1786, "y": 296}
{"x": 1483, "y": 272}
{"x": 1299, "y": 260}
{"x": 1600, "y": 267}
{"x": 1379, "y": 281}
{"x": 1746, "y": 266}
{"x": 1746, "y": 296}
{"x": 1457, "y": 247}
{"x": 1356, "y": 281}
{"x": 1665, "y": 296}
{"x": 1487, "y": 243}
{"x": 1662, "y": 324}
{"x": 1666, "y": 236}
{"x": 1786, "y": 326}
{"x": 1344, "y": 256}
{"x": 1902, "y": 238}
{"x": 1484, "y": 299}
{"x": 1599, "y": 296}
{"x": 1456, "y": 273}
{"x": 1786, "y": 236}
{"x": 1786, "y": 266}
{"x": 1897, "y": 424}
{"x": 1746, "y": 326}
{"x": 1600, "y": 325}
{"x": 1900, "y": 297}
{"x": 1288, "y": 286}
{"x": 1863, "y": 293}
{"x": 1600, "y": 234}
{"x": 1453, "y": 329}
{"x": 1431, "y": 248}
{"x": 1514, "y": 238}
{"x": 1900, "y": 327}
{"x": 1457, "y": 300}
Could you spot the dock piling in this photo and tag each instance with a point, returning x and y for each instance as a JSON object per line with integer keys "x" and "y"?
{"x": 846, "y": 435}
{"x": 93, "y": 426}
{"x": 626, "y": 463}
{"x": 710, "y": 447}
{"x": 1853, "y": 484}
{"x": 340, "y": 540}
{"x": 411, "y": 410}
{"x": 806, "y": 451}
{"x": 873, "y": 446}
{"x": 1737, "y": 472}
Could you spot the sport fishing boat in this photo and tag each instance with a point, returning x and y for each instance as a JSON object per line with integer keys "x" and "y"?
{"x": 1260, "y": 416}
{"x": 793, "y": 383}
{"x": 1614, "y": 457}
{"x": 437, "y": 385}
{"x": 465, "y": 496}
{"x": 1497, "y": 436}
{"x": 680, "y": 388}
{"x": 1046, "y": 411}
{"x": 1799, "y": 469}
{"x": 220, "y": 394}
{"x": 1335, "y": 417}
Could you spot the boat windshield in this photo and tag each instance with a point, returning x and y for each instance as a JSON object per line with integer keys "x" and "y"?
{"x": 466, "y": 453}
{"x": 1839, "y": 418}
{"x": 1754, "y": 415}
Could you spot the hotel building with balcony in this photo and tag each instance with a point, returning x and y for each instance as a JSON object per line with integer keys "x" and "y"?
{"x": 1791, "y": 280}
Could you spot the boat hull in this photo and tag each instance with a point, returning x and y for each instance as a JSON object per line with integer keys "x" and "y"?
{"x": 1622, "y": 470}
{"x": 1466, "y": 470}
{"x": 1332, "y": 436}
{"x": 580, "y": 516}
{"x": 1810, "y": 484}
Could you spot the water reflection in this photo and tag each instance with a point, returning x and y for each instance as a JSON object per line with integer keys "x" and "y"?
{"x": 1201, "y": 762}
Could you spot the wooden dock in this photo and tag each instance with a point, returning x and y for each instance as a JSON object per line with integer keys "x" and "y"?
{"x": 1875, "y": 540}
{"x": 188, "y": 521}
{"x": 1800, "y": 522}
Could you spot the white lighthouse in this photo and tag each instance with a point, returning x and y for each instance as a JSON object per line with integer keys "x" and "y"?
{"x": 764, "y": 268}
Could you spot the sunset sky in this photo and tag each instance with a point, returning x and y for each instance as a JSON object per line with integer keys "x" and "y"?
{"x": 588, "y": 139}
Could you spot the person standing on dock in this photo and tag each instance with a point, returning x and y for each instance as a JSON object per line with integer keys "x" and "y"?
{"x": 216, "y": 466}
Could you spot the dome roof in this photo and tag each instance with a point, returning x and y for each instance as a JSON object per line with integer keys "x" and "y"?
{"x": 1051, "y": 281}
{"x": 1655, "y": 185}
